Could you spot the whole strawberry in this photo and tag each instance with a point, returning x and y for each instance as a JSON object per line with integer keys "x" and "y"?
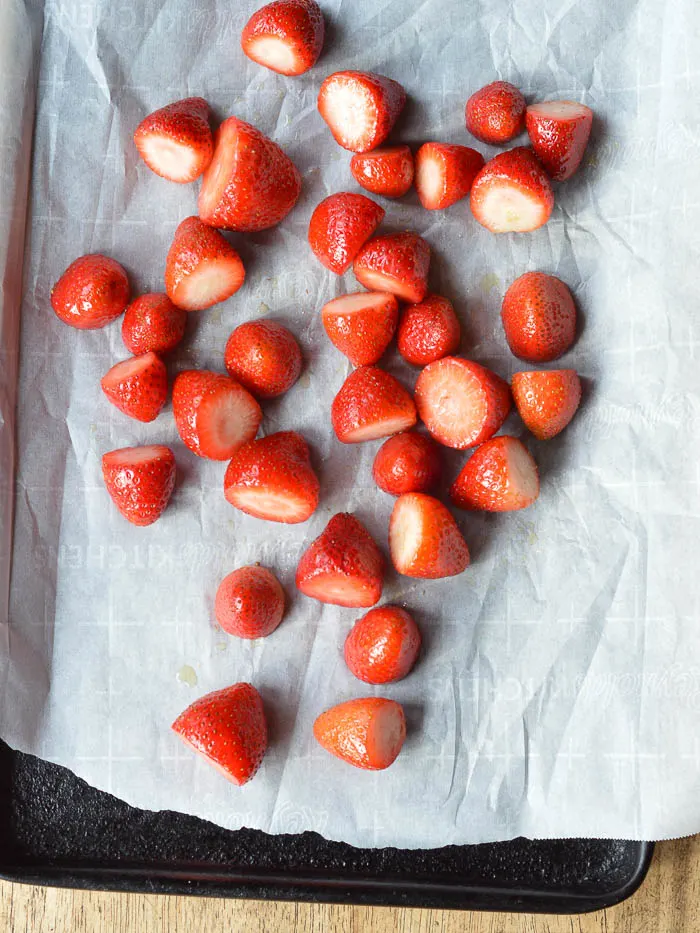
{"x": 495, "y": 114}
{"x": 152, "y": 323}
{"x": 383, "y": 645}
{"x": 387, "y": 171}
{"x": 407, "y": 462}
{"x": 249, "y": 603}
{"x": 264, "y": 357}
{"x": 92, "y": 292}
{"x": 539, "y": 317}
{"x": 428, "y": 331}
{"x": 140, "y": 481}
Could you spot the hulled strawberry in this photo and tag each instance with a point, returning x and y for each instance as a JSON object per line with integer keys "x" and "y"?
{"x": 92, "y": 292}
{"x": 285, "y": 36}
{"x": 546, "y": 400}
{"x": 539, "y": 317}
{"x": 445, "y": 174}
{"x": 495, "y": 114}
{"x": 176, "y": 142}
{"x": 152, "y": 323}
{"x": 264, "y": 357}
{"x": 387, "y": 171}
{"x": 383, "y": 645}
{"x": 428, "y": 331}
{"x": 512, "y": 193}
{"x": 249, "y": 602}
{"x": 339, "y": 227}
{"x": 500, "y": 476}
{"x": 360, "y": 108}
{"x": 559, "y": 131}
{"x": 407, "y": 462}
{"x": 137, "y": 386}
{"x": 367, "y": 733}
{"x": 424, "y": 539}
{"x": 370, "y": 404}
{"x": 396, "y": 263}
{"x": 361, "y": 325}
{"x": 140, "y": 481}
{"x": 202, "y": 268}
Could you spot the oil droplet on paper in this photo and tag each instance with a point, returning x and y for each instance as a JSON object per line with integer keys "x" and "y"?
{"x": 305, "y": 380}
{"x": 489, "y": 281}
{"x": 187, "y": 675}
{"x": 263, "y": 308}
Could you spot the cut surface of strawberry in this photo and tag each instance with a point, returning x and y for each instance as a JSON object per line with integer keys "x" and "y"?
{"x": 424, "y": 539}
{"x": 175, "y": 142}
{"x": 512, "y": 193}
{"x": 285, "y": 36}
{"x": 445, "y": 173}
{"x": 360, "y": 108}
{"x": 202, "y": 268}
{"x": 214, "y": 415}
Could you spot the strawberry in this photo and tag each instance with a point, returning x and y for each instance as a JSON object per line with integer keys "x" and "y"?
{"x": 512, "y": 193}
{"x": 444, "y": 174}
{"x": 92, "y": 292}
{"x": 361, "y": 325}
{"x": 360, "y": 108}
{"x": 153, "y": 323}
{"x": 137, "y": 386}
{"x": 539, "y": 317}
{"x": 202, "y": 267}
{"x": 546, "y": 400}
{"x": 461, "y": 403}
{"x": 500, "y": 476}
{"x": 272, "y": 478}
{"x": 214, "y": 415}
{"x": 249, "y": 602}
{"x": 339, "y": 227}
{"x": 428, "y": 331}
{"x": 383, "y": 645}
{"x": 228, "y": 728}
{"x": 251, "y": 184}
{"x": 424, "y": 539}
{"x": 495, "y": 114}
{"x": 387, "y": 171}
{"x": 343, "y": 566}
{"x": 367, "y": 733}
{"x": 559, "y": 131}
{"x": 175, "y": 142}
{"x": 285, "y": 36}
{"x": 264, "y": 357}
{"x": 371, "y": 404}
{"x": 140, "y": 481}
{"x": 407, "y": 462}
{"x": 396, "y": 263}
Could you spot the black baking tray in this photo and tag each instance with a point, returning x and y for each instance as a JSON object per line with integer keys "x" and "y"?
{"x": 57, "y": 830}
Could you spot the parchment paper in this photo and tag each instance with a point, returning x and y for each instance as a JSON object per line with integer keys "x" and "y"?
{"x": 559, "y": 689}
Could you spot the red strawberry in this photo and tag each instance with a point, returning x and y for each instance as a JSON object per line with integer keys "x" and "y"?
{"x": 140, "y": 481}
{"x": 444, "y": 174}
{"x": 461, "y": 403}
{"x": 264, "y": 357}
{"x": 339, "y": 227}
{"x": 214, "y": 415}
{"x": 407, "y": 462}
{"x": 396, "y": 263}
{"x": 285, "y": 36}
{"x": 202, "y": 267}
{"x": 367, "y": 733}
{"x": 383, "y": 645}
{"x": 228, "y": 728}
{"x": 360, "y": 108}
{"x": 512, "y": 193}
{"x": 272, "y": 478}
{"x": 500, "y": 476}
{"x": 361, "y": 325}
{"x": 428, "y": 331}
{"x": 539, "y": 317}
{"x": 559, "y": 131}
{"x": 137, "y": 386}
{"x": 251, "y": 183}
{"x": 92, "y": 292}
{"x": 249, "y": 602}
{"x": 343, "y": 566}
{"x": 371, "y": 404}
{"x": 175, "y": 142}
{"x": 547, "y": 400}
{"x": 153, "y": 323}
{"x": 387, "y": 171}
{"x": 424, "y": 539}
{"x": 496, "y": 113}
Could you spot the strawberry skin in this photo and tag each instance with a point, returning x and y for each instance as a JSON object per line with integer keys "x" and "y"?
{"x": 264, "y": 357}
{"x": 285, "y": 36}
{"x": 360, "y": 108}
{"x": 251, "y": 184}
{"x": 175, "y": 142}
{"x": 559, "y": 132}
{"x": 361, "y": 325}
{"x": 428, "y": 331}
{"x": 396, "y": 263}
{"x": 370, "y": 404}
{"x": 424, "y": 539}
{"x": 539, "y": 317}
{"x": 202, "y": 267}
{"x": 228, "y": 728}
{"x": 92, "y": 292}
{"x": 272, "y": 479}
{"x": 343, "y": 566}
{"x": 367, "y": 733}
{"x": 340, "y": 225}
{"x": 383, "y": 645}
{"x": 152, "y": 323}
{"x": 512, "y": 193}
{"x": 407, "y": 462}
{"x": 495, "y": 114}
{"x": 140, "y": 481}
{"x": 387, "y": 171}
{"x": 249, "y": 603}
{"x": 546, "y": 400}
{"x": 500, "y": 476}
{"x": 138, "y": 386}
{"x": 445, "y": 174}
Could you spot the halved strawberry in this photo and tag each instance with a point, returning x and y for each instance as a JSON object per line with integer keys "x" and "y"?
{"x": 387, "y": 171}
{"x": 559, "y": 131}
{"x": 539, "y": 317}
{"x": 264, "y": 357}
{"x": 92, "y": 292}
{"x": 396, "y": 263}
{"x": 285, "y": 36}
{"x": 546, "y": 400}
{"x": 214, "y": 415}
{"x": 343, "y": 566}
{"x": 424, "y": 539}
{"x": 495, "y": 114}
{"x": 202, "y": 267}
{"x": 137, "y": 386}
{"x": 175, "y": 142}
{"x": 428, "y": 331}
{"x": 461, "y": 403}
{"x": 140, "y": 481}
{"x": 153, "y": 323}
{"x": 512, "y": 193}
{"x": 228, "y": 728}
{"x": 371, "y": 404}
{"x": 340, "y": 225}
{"x": 272, "y": 478}
{"x": 249, "y": 602}
{"x": 361, "y": 325}
{"x": 445, "y": 174}
{"x": 360, "y": 108}
{"x": 251, "y": 184}
{"x": 383, "y": 645}
{"x": 367, "y": 733}
{"x": 407, "y": 462}
{"x": 500, "y": 476}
